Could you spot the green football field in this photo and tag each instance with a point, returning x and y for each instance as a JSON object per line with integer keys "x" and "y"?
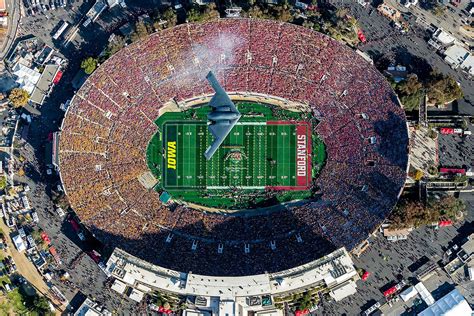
{"x": 255, "y": 155}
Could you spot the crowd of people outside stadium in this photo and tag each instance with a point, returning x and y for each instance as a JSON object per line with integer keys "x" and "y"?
{"x": 110, "y": 122}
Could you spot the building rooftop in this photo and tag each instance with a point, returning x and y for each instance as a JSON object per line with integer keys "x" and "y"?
{"x": 44, "y": 84}
{"x": 334, "y": 269}
{"x": 452, "y": 304}
{"x": 455, "y": 55}
{"x": 443, "y": 37}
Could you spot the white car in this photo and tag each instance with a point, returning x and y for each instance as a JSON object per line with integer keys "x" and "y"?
{"x": 60, "y": 212}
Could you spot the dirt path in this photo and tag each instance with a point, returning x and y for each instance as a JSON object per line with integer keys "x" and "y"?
{"x": 27, "y": 269}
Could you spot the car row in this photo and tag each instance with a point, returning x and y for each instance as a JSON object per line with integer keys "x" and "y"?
{"x": 34, "y": 7}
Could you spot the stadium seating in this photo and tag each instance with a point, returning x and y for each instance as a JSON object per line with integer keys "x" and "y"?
{"x": 110, "y": 122}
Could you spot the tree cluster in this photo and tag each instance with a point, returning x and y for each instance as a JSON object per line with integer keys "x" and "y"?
{"x": 410, "y": 213}
{"x": 203, "y": 13}
{"x": 275, "y": 12}
{"x": 141, "y": 30}
{"x": 410, "y": 92}
{"x": 114, "y": 46}
{"x": 442, "y": 89}
{"x": 165, "y": 20}
{"x": 439, "y": 88}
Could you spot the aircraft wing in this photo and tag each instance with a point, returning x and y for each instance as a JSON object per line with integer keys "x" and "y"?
{"x": 220, "y": 98}
{"x": 220, "y": 133}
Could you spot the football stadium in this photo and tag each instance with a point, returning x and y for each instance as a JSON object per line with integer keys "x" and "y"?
{"x": 294, "y": 148}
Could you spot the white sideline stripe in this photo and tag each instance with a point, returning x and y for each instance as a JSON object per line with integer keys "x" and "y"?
{"x": 251, "y": 123}
{"x": 239, "y": 187}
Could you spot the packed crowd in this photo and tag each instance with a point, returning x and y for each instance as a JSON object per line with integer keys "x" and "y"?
{"x": 110, "y": 122}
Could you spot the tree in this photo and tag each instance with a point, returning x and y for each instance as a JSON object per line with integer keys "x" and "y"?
{"x": 170, "y": 17}
{"x": 283, "y": 14}
{"x": 41, "y": 306}
{"x": 418, "y": 175}
{"x": 442, "y": 89}
{"x": 448, "y": 207}
{"x": 409, "y": 92}
{"x": 18, "y": 97}
{"x": 412, "y": 214}
{"x": 3, "y": 182}
{"x": 410, "y": 86}
{"x": 341, "y": 12}
{"x": 89, "y": 65}
{"x": 165, "y": 20}
{"x": 256, "y": 12}
{"x": 115, "y": 45}
{"x": 197, "y": 14}
{"x": 141, "y": 31}
{"x": 438, "y": 10}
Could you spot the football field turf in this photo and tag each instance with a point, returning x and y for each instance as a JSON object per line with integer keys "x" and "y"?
{"x": 255, "y": 155}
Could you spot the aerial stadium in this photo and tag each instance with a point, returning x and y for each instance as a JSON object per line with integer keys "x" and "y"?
{"x": 234, "y": 147}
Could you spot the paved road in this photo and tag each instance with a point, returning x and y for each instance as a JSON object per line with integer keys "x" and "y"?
{"x": 13, "y": 7}
{"x": 85, "y": 275}
{"x": 448, "y": 21}
{"x": 386, "y": 260}
{"x": 26, "y": 268}
{"x": 456, "y": 151}
{"x": 410, "y": 49}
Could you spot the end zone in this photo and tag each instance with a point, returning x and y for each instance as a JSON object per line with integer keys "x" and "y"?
{"x": 303, "y": 155}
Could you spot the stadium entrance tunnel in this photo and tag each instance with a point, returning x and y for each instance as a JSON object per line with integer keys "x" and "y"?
{"x": 269, "y": 158}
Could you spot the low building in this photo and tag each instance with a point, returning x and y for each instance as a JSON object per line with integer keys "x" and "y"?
{"x": 96, "y": 10}
{"x": 19, "y": 243}
{"x": 396, "y": 234}
{"x": 459, "y": 57}
{"x": 389, "y": 11}
{"x": 424, "y": 293}
{"x": 441, "y": 39}
{"x": 45, "y": 83}
{"x": 464, "y": 259}
{"x": 408, "y": 294}
{"x": 90, "y": 308}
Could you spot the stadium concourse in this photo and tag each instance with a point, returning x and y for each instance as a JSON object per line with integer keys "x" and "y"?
{"x": 110, "y": 122}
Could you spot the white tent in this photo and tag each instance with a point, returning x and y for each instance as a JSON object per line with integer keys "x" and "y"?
{"x": 425, "y": 294}
{"x": 408, "y": 293}
{"x": 26, "y": 77}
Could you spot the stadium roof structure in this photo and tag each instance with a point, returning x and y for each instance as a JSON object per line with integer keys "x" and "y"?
{"x": 110, "y": 121}
{"x": 222, "y": 117}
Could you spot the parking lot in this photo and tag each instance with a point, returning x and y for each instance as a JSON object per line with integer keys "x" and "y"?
{"x": 410, "y": 49}
{"x": 389, "y": 262}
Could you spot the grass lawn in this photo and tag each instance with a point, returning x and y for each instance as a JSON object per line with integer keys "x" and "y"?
{"x": 270, "y": 156}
